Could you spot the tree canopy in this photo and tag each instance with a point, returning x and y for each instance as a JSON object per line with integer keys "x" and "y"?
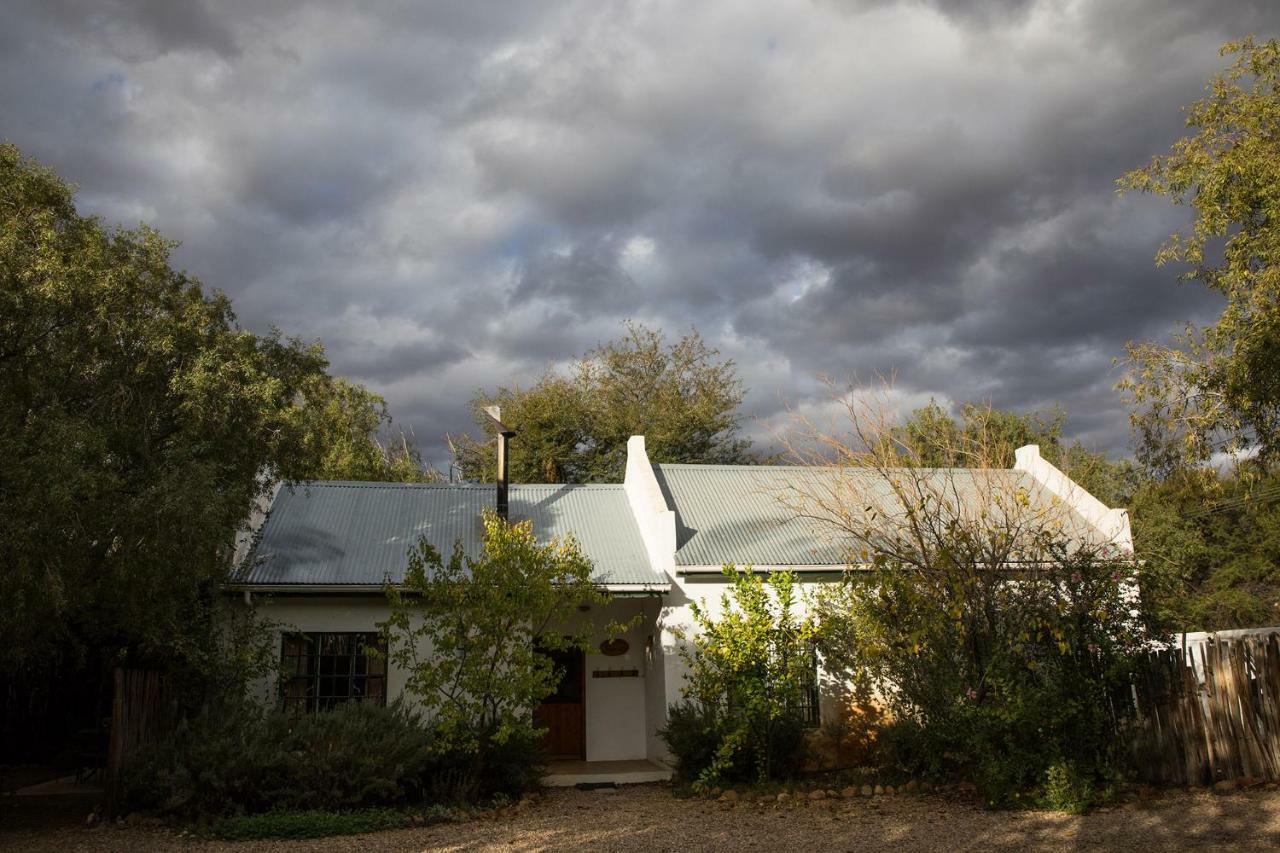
{"x": 1218, "y": 388}
{"x": 985, "y": 436}
{"x": 573, "y": 428}
{"x": 139, "y": 422}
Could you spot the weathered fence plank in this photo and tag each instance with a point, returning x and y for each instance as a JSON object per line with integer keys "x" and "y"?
{"x": 140, "y": 713}
{"x": 1210, "y": 711}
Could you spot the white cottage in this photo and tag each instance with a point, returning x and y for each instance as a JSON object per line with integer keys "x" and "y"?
{"x": 658, "y": 540}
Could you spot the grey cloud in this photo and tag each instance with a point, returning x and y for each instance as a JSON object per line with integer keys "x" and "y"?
{"x": 456, "y": 194}
{"x": 141, "y": 30}
{"x": 588, "y": 279}
{"x": 395, "y": 362}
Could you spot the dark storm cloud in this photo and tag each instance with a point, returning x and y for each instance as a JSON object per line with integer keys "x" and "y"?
{"x": 460, "y": 195}
{"x": 588, "y": 279}
{"x": 139, "y": 30}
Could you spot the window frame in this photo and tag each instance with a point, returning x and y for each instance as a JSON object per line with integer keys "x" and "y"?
{"x": 810, "y": 708}
{"x": 311, "y": 674}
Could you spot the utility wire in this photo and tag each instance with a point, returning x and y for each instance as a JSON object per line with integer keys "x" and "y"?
{"x": 1261, "y": 496}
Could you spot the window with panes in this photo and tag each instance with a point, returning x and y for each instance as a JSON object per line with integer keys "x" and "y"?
{"x": 323, "y": 670}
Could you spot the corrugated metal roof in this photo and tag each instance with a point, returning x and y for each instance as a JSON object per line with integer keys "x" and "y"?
{"x": 749, "y": 514}
{"x": 348, "y": 533}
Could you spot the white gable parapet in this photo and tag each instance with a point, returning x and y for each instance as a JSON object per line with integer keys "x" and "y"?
{"x": 1112, "y": 523}
{"x": 657, "y": 522}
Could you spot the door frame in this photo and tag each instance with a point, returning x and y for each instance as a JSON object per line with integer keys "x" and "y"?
{"x": 582, "y": 710}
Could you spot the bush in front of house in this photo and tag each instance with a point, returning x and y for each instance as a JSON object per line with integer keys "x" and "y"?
{"x": 244, "y": 760}
{"x": 1013, "y": 683}
{"x": 491, "y": 768}
{"x": 485, "y": 619}
{"x": 751, "y": 670}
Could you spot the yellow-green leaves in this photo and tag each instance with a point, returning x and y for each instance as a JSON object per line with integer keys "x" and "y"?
{"x": 1218, "y": 389}
{"x": 751, "y": 663}
{"x": 466, "y": 629}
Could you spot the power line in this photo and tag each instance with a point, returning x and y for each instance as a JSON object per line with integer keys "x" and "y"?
{"x": 1266, "y": 495}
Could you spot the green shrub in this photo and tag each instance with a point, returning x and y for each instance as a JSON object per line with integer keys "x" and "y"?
{"x": 691, "y": 736}
{"x": 249, "y": 761}
{"x": 305, "y": 824}
{"x": 1065, "y": 789}
{"x": 750, "y": 671}
{"x": 996, "y": 679}
{"x": 496, "y": 769}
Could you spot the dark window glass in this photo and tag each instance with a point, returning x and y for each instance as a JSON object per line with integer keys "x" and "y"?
{"x": 322, "y": 671}
{"x": 809, "y": 709}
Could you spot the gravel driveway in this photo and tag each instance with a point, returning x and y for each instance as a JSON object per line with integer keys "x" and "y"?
{"x": 647, "y": 817}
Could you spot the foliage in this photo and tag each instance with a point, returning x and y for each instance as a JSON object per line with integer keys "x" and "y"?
{"x": 931, "y": 437}
{"x": 750, "y": 670}
{"x": 992, "y": 624}
{"x": 465, "y": 629}
{"x": 306, "y": 824}
{"x": 574, "y": 428}
{"x": 341, "y": 426}
{"x": 1066, "y": 790}
{"x": 1219, "y": 389}
{"x": 244, "y": 760}
{"x": 139, "y": 425}
{"x": 496, "y": 769}
{"x": 690, "y": 735}
{"x": 1208, "y": 541}
{"x": 998, "y": 679}
{"x": 128, "y": 396}
{"x": 1210, "y": 548}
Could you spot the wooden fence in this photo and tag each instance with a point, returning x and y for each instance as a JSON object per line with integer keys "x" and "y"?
{"x": 1209, "y": 711}
{"x": 140, "y": 713}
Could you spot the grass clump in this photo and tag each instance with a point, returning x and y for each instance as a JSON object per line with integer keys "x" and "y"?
{"x": 306, "y": 824}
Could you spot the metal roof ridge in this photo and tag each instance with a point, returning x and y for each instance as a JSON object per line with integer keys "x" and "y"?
{"x": 737, "y": 466}
{"x": 393, "y": 484}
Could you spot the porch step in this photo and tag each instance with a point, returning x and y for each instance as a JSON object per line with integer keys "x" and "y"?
{"x": 564, "y": 774}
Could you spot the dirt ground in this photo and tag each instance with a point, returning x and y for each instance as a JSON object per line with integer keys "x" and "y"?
{"x": 648, "y": 817}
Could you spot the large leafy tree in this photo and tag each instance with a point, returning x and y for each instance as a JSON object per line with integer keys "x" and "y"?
{"x": 1218, "y": 389}
{"x": 985, "y": 436}
{"x": 573, "y": 428}
{"x": 345, "y": 435}
{"x": 139, "y": 423}
{"x": 1210, "y": 546}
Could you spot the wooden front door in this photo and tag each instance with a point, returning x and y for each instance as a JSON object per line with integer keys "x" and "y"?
{"x": 563, "y": 713}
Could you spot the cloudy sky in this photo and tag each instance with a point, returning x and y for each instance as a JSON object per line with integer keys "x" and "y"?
{"x": 455, "y": 195}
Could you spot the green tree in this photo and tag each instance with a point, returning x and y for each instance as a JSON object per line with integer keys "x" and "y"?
{"x": 554, "y": 429}
{"x": 466, "y": 630}
{"x": 931, "y": 437}
{"x": 1218, "y": 389}
{"x": 574, "y": 428}
{"x": 342, "y": 425}
{"x": 139, "y": 424}
{"x": 679, "y": 396}
{"x": 1209, "y": 543}
{"x": 751, "y": 668}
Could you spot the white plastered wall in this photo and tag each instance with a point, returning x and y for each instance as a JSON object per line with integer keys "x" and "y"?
{"x": 617, "y": 709}
{"x": 1112, "y": 523}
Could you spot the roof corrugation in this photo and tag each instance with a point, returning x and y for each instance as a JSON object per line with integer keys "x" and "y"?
{"x": 349, "y": 533}
{"x": 746, "y": 514}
